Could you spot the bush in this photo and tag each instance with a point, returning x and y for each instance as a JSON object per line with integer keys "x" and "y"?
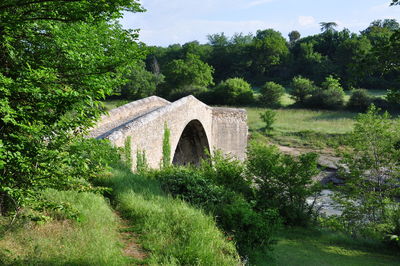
{"x": 368, "y": 197}
{"x": 330, "y": 96}
{"x": 284, "y": 182}
{"x": 268, "y": 117}
{"x": 302, "y": 88}
{"x": 359, "y": 100}
{"x": 229, "y": 173}
{"x": 233, "y": 91}
{"x": 234, "y": 214}
{"x": 271, "y": 94}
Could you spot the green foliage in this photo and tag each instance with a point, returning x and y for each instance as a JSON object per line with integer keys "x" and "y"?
{"x": 141, "y": 83}
{"x": 271, "y": 94}
{"x": 1, "y": 155}
{"x": 234, "y": 214}
{"x": 233, "y": 91}
{"x": 330, "y": 96}
{"x": 328, "y": 26}
{"x": 128, "y": 151}
{"x": 284, "y": 182}
{"x": 294, "y": 36}
{"x": 372, "y": 177}
{"x": 187, "y": 76}
{"x": 269, "y": 50}
{"x": 269, "y": 118}
{"x": 369, "y": 59}
{"x": 141, "y": 161}
{"x": 166, "y": 148}
{"x": 318, "y": 246}
{"x": 227, "y": 172}
{"x": 173, "y": 232}
{"x": 359, "y": 100}
{"x": 301, "y": 89}
{"x": 59, "y": 240}
{"x": 58, "y": 60}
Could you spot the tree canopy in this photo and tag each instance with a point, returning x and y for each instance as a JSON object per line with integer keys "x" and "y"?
{"x": 57, "y": 60}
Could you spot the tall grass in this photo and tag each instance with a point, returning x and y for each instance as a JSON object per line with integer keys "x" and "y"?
{"x": 92, "y": 240}
{"x": 173, "y": 232}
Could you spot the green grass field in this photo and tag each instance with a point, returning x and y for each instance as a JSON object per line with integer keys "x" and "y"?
{"x": 303, "y": 128}
{"x": 298, "y": 246}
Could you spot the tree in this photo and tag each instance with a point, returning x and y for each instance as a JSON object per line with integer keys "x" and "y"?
{"x": 57, "y": 60}
{"x": 141, "y": 83}
{"x": 294, "y": 36}
{"x": 395, "y": 2}
{"x": 187, "y": 76}
{"x": 283, "y": 182}
{"x": 329, "y": 96}
{"x": 269, "y": 49}
{"x": 271, "y": 94}
{"x": 233, "y": 91}
{"x": 302, "y": 88}
{"x": 359, "y": 100}
{"x": 328, "y": 26}
{"x": 372, "y": 176}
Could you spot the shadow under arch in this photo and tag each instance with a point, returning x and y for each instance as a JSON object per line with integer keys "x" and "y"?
{"x": 192, "y": 145}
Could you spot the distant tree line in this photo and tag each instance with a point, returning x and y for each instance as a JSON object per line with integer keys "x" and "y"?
{"x": 369, "y": 60}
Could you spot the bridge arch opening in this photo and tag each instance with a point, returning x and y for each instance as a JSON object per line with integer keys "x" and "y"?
{"x": 192, "y": 145}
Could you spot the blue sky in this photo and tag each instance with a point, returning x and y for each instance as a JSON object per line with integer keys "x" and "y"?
{"x": 179, "y": 21}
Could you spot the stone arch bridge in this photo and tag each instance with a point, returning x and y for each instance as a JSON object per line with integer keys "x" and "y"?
{"x": 194, "y": 126}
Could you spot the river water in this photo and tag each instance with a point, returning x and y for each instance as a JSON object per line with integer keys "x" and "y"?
{"x": 325, "y": 204}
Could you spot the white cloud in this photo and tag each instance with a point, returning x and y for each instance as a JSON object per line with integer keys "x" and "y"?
{"x": 306, "y": 20}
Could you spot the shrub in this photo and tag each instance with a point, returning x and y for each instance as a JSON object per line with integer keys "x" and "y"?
{"x": 301, "y": 88}
{"x": 284, "y": 182}
{"x": 268, "y": 117}
{"x": 191, "y": 186}
{"x": 166, "y": 148}
{"x": 233, "y": 91}
{"x": 359, "y": 100}
{"x": 229, "y": 173}
{"x": 330, "y": 96}
{"x": 271, "y": 94}
{"x": 250, "y": 229}
{"x": 372, "y": 175}
{"x": 234, "y": 214}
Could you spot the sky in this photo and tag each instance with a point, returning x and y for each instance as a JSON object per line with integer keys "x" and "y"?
{"x": 179, "y": 21}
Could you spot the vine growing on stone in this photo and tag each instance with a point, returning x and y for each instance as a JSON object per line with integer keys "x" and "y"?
{"x": 166, "y": 148}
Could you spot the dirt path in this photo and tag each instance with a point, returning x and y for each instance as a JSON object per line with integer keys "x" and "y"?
{"x": 129, "y": 239}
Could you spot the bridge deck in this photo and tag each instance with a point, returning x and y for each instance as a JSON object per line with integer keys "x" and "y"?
{"x": 123, "y": 115}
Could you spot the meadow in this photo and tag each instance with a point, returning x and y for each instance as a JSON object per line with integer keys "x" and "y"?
{"x": 302, "y": 246}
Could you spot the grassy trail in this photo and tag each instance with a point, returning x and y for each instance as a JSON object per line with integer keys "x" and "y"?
{"x": 169, "y": 230}
{"x": 93, "y": 239}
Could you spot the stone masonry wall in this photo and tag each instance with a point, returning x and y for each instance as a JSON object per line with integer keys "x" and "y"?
{"x": 225, "y": 128}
